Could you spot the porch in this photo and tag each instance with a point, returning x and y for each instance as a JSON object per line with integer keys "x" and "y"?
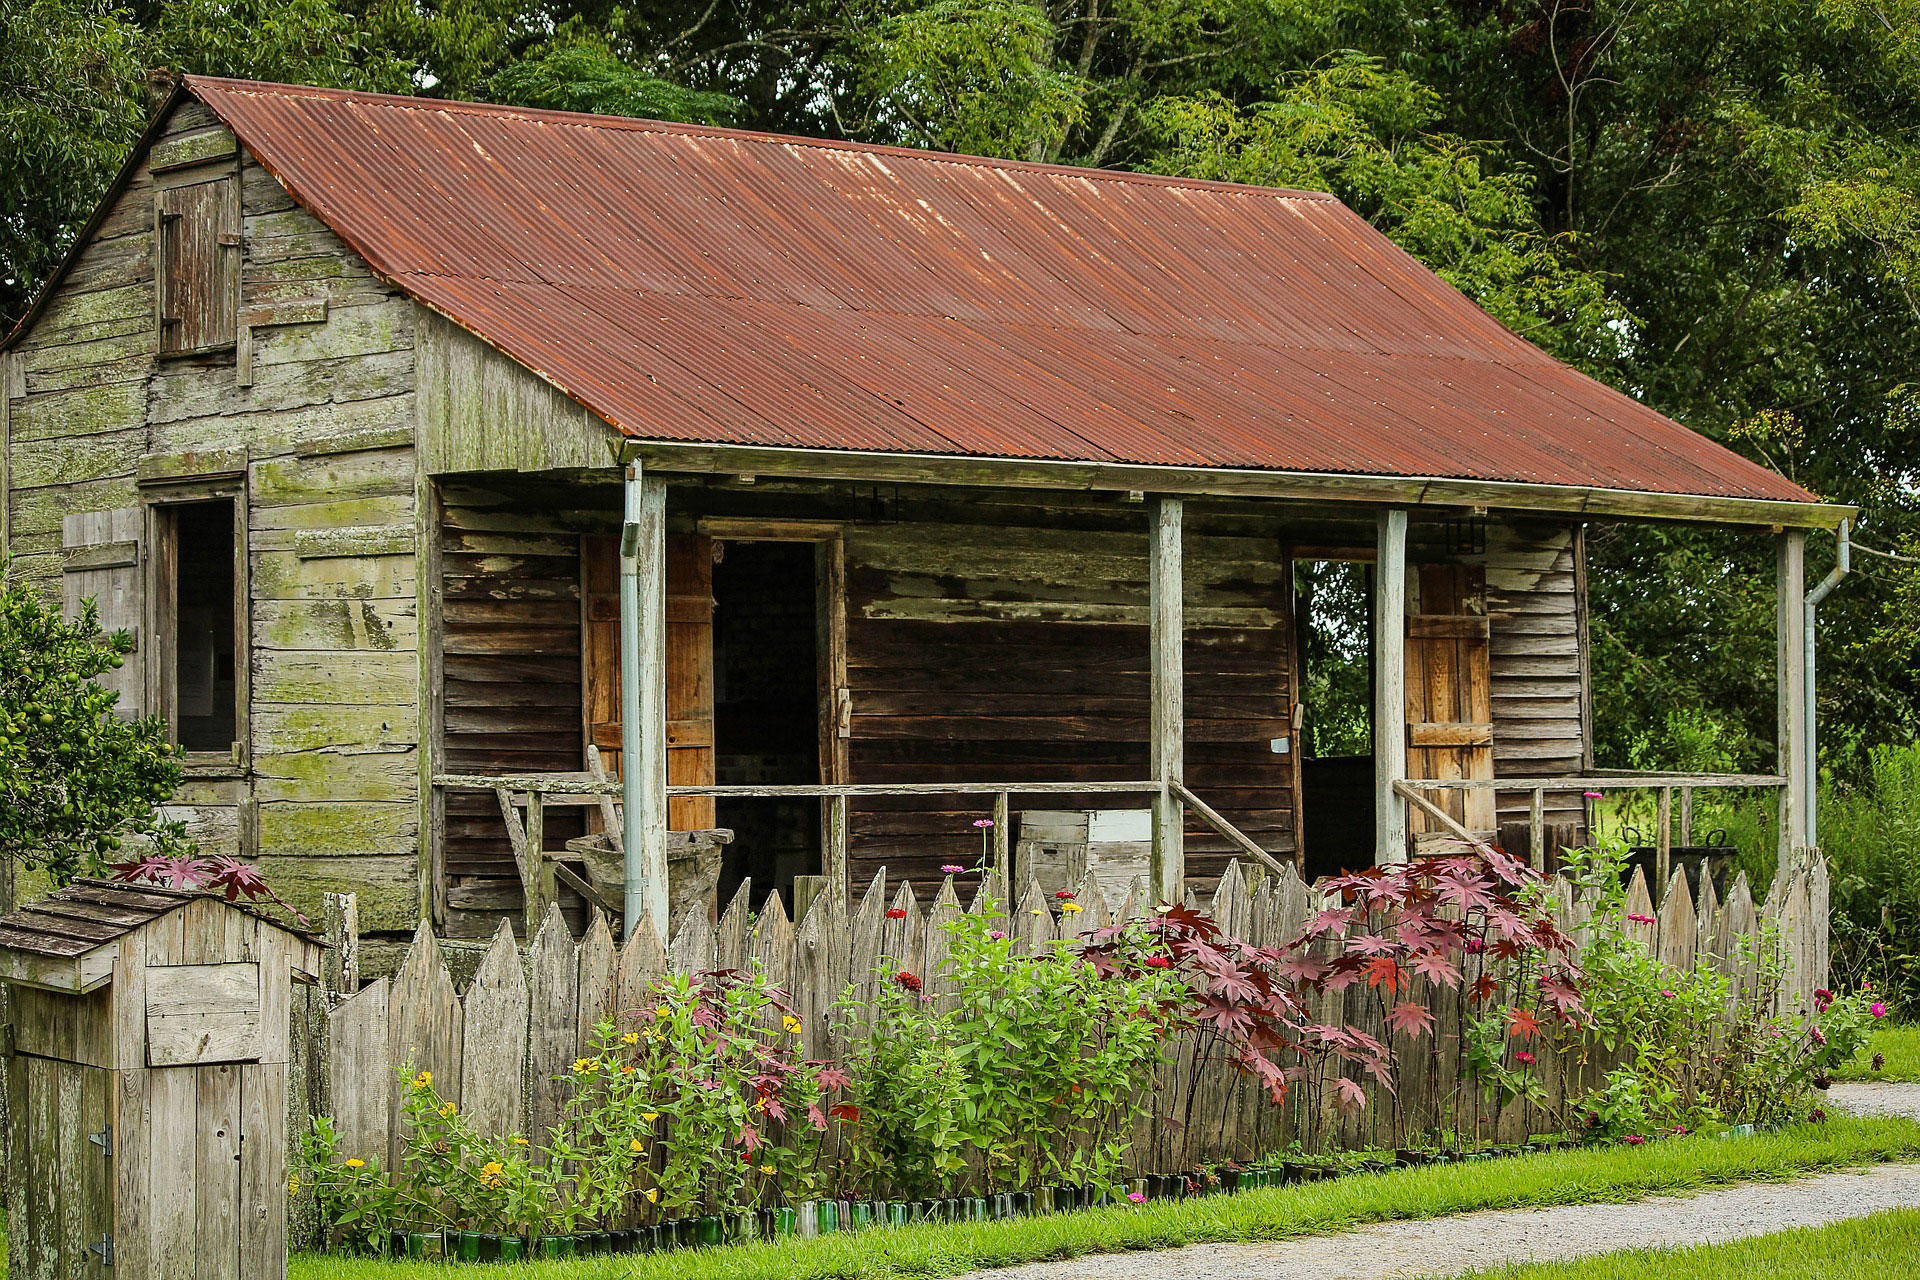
{"x": 845, "y": 677}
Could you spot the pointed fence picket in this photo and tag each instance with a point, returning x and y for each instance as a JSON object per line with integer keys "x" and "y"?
{"x": 500, "y": 1048}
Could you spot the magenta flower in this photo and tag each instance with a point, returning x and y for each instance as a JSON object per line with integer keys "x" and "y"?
{"x": 1633, "y": 1139}
{"x": 1877, "y": 1009}
{"x": 951, "y": 870}
{"x": 1475, "y": 946}
{"x": 1591, "y": 795}
{"x": 1667, "y": 994}
{"x": 1641, "y": 919}
{"x": 997, "y": 935}
{"x": 1136, "y": 1197}
{"x": 1524, "y": 1058}
{"x": 1817, "y": 1036}
{"x": 982, "y": 823}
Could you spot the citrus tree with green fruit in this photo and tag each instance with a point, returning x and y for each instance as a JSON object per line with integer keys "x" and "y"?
{"x": 76, "y": 779}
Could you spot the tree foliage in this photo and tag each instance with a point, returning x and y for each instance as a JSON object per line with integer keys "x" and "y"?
{"x": 75, "y": 778}
{"x": 1711, "y": 204}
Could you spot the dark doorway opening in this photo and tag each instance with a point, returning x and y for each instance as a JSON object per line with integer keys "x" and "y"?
{"x": 766, "y": 711}
{"x": 205, "y": 703}
{"x": 1334, "y": 605}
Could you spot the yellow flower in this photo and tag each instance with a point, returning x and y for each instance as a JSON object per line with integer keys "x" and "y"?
{"x": 446, "y": 1112}
{"x": 635, "y": 1145}
{"x": 628, "y": 1070}
{"x": 293, "y": 1184}
{"x": 423, "y": 1079}
{"x": 490, "y": 1172}
{"x": 651, "y": 1116}
{"x": 519, "y": 1141}
{"x": 585, "y": 1066}
{"x": 1039, "y": 911}
{"x": 632, "y": 1037}
{"x": 792, "y": 1024}
{"x": 653, "y": 1195}
{"x": 766, "y": 1168}
{"x": 1071, "y": 907}
{"x": 356, "y": 1164}
{"x": 663, "y": 1011}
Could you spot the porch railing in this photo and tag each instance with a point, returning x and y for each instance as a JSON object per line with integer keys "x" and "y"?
{"x": 1665, "y": 784}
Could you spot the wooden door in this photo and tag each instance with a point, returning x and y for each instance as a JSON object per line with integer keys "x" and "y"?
{"x": 690, "y": 759}
{"x": 59, "y": 1184}
{"x": 1449, "y": 692}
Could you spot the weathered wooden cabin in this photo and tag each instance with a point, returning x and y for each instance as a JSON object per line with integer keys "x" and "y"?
{"x": 910, "y": 489}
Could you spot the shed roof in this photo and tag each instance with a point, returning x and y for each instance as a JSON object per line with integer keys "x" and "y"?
{"x": 88, "y": 914}
{"x": 721, "y": 287}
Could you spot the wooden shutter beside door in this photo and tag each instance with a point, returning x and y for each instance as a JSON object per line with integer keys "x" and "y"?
{"x": 100, "y": 560}
{"x": 690, "y": 759}
{"x": 1449, "y": 691}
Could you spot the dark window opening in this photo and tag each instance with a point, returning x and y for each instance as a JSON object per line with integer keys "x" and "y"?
{"x": 1334, "y": 601}
{"x": 205, "y": 700}
{"x": 766, "y": 711}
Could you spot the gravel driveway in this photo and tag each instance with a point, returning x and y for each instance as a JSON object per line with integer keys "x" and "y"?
{"x": 1467, "y": 1242}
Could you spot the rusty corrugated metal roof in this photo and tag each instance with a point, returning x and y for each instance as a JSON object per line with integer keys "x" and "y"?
{"x": 723, "y": 287}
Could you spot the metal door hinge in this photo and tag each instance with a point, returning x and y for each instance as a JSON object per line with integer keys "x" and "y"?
{"x": 103, "y": 1140}
{"x": 104, "y": 1247}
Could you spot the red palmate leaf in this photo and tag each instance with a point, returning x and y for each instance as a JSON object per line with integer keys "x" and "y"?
{"x": 1383, "y": 971}
{"x": 1410, "y": 1018}
{"x": 1522, "y": 1024}
{"x": 1349, "y": 1095}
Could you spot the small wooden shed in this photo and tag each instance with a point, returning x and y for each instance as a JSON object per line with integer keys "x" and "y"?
{"x": 147, "y": 1086}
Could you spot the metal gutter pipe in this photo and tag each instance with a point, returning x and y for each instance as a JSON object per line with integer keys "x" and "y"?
{"x": 633, "y": 807}
{"x": 1842, "y": 564}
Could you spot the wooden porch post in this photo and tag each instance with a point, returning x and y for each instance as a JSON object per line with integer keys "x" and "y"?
{"x": 1790, "y": 630}
{"x": 643, "y": 700}
{"x": 1390, "y": 686}
{"x": 1167, "y": 714}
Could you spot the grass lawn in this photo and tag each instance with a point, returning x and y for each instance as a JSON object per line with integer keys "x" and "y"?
{"x": 1872, "y": 1248}
{"x": 1902, "y": 1047}
{"x": 1564, "y": 1177}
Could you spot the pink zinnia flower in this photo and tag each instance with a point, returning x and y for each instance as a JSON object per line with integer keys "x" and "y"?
{"x": 1667, "y": 994}
{"x": 1136, "y": 1197}
{"x": 1524, "y": 1058}
{"x": 1877, "y": 1009}
{"x": 1817, "y": 1036}
{"x": 1591, "y": 795}
{"x": 1641, "y": 919}
{"x": 1475, "y": 946}
{"x": 952, "y": 870}
{"x": 982, "y": 823}
{"x": 997, "y": 935}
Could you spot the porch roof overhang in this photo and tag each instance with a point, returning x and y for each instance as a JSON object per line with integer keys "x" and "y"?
{"x": 1229, "y": 482}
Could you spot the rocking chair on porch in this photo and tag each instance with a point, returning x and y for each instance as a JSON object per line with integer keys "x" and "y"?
{"x": 593, "y": 866}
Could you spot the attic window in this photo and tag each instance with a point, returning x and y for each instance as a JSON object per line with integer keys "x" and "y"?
{"x": 197, "y": 266}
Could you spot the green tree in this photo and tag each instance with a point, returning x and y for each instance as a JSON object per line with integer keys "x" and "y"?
{"x": 75, "y": 778}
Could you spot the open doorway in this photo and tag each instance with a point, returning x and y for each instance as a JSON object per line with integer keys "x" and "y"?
{"x": 767, "y": 710}
{"x": 1334, "y": 609}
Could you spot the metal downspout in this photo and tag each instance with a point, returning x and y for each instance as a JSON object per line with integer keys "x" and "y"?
{"x": 1842, "y": 563}
{"x": 632, "y": 808}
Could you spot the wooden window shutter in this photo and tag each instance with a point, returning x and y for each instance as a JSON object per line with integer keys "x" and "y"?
{"x": 690, "y": 693}
{"x": 1449, "y": 690}
{"x": 100, "y": 559}
{"x": 197, "y": 265}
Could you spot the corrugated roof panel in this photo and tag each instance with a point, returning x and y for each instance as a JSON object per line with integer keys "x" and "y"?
{"x": 718, "y": 286}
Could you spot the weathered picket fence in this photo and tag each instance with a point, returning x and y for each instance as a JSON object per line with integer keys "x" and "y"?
{"x": 501, "y": 1047}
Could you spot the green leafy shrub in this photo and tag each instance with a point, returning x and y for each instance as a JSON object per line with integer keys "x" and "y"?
{"x": 358, "y": 1206}
{"x": 1871, "y": 837}
{"x": 75, "y": 778}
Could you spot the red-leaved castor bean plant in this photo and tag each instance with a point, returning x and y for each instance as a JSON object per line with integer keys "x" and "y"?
{"x": 1470, "y": 931}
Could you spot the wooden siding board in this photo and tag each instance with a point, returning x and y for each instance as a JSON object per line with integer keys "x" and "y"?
{"x": 1536, "y": 667}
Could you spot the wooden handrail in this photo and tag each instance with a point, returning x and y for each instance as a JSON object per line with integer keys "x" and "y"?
{"x": 1599, "y": 782}
{"x": 1406, "y": 792}
{"x": 1225, "y": 828}
{"x": 560, "y": 785}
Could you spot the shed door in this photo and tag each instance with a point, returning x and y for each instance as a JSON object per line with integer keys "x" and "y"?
{"x": 1449, "y": 693}
{"x": 60, "y": 1185}
{"x": 690, "y": 760}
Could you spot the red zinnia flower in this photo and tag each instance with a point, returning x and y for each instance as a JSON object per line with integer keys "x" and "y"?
{"x": 907, "y": 981}
{"x": 1064, "y": 896}
{"x": 896, "y": 913}
{"x": 1159, "y": 962}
